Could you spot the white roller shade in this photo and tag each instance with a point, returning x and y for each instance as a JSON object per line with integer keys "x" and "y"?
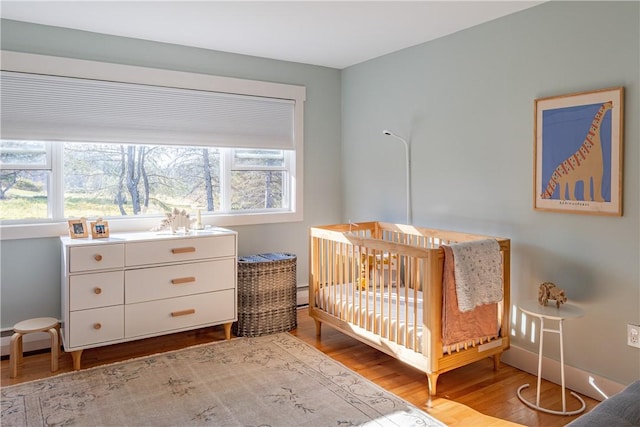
{"x": 44, "y": 107}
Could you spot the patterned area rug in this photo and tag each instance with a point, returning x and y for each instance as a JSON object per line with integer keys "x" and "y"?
{"x": 274, "y": 380}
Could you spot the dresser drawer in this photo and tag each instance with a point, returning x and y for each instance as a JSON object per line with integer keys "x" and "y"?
{"x": 148, "y": 284}
{"x": 96, "y": 257}
{"x": 174, "y": 250}
{"x": 96, "y": 326}
{"x": 180, "y": 313}
{"x": 96, "y": 290}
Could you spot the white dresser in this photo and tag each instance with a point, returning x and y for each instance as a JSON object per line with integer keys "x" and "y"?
{"x": 138, "y": 285}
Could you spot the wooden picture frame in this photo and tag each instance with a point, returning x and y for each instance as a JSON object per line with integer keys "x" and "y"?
{"x": 578, "y": 152}
{"x": 100, "y": 229}
{"x": 78, "y": 228}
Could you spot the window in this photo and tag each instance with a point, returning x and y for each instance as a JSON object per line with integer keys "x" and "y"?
{"x": 259, "y": 180}
{"x": 119, "y": 180}
{"x": 82, "y": 138}
{"x": 25, "y": 177}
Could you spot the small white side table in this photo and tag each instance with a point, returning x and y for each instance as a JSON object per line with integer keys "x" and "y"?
{"x": 551, "y": 312}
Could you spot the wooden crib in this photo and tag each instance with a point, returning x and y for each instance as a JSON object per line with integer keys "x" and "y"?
{"x": 382, "y": 284}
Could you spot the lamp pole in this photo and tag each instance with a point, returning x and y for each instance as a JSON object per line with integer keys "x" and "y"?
{"x": 407, "y": 170}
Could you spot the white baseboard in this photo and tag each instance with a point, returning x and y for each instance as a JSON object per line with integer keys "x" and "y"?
{"x": 303, "y": 295}
{"x": 575, "y": 379}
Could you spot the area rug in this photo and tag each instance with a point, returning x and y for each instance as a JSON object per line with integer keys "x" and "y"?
{"x": 274, "y": 380}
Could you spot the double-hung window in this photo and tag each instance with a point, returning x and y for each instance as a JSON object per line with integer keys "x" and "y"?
{"x": 86, "y": 139}
{"x": 26, "y": 180}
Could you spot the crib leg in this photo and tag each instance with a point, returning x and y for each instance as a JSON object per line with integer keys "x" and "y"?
{"x": 496, "y": 362}
{"x": 318, "y": 327}
{"x": 433, "y": 379}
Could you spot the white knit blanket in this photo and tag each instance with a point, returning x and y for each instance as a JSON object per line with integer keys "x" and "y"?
{"x": 478, "y": 273}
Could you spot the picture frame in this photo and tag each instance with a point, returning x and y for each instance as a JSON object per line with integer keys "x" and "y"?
{"x": 99, "y": 229}
{"x": 578, "y": 152}
{"x": 78, "y": 228}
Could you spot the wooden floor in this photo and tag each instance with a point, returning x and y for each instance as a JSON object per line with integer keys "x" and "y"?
{"x": 474, "y": 395}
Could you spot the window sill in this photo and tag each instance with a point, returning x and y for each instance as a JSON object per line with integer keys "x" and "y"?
{"x": 54, "y": 229}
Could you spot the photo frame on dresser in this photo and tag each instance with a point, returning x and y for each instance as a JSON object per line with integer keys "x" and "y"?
{"x": 578, "y": 152}
{"x": 99, "y": 229}
{"x": 78, "y": 228}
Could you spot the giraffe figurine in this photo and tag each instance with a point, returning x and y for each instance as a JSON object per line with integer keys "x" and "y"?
{"x": 584, "y": 165}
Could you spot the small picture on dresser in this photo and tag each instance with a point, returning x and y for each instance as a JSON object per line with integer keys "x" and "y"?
{"x": 78, "y": 228}
{"x": 100, "y": 229}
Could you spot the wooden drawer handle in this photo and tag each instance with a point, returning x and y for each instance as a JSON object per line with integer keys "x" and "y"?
{"x": 183, "y": 312}
{"x": 98, "y": 257}
{"x": 183, "y": 250}
{"x": 97, "y": 290}
{"x": 97, "y": 326}
{"x": 183, "y": 280}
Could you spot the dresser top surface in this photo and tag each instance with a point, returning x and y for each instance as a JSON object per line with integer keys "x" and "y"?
{"x": 148, "y": 236}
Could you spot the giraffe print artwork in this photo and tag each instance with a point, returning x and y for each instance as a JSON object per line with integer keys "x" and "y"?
{"x": 579, "y": 152}
{"x": 586, "y": 164}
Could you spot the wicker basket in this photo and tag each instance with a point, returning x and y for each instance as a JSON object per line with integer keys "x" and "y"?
{"x": 266, "y": 294}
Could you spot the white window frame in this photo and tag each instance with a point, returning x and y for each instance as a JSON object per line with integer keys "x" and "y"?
{"x": 30, "y": 166}
{"x": 287, "y": 167}
{"x": 41, "y": 64}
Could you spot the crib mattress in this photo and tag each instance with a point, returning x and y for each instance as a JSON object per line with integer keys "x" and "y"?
{"x": 395, "y": 314}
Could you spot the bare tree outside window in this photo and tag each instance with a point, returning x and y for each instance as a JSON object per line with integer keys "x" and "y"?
{"x": 116, "y": 180}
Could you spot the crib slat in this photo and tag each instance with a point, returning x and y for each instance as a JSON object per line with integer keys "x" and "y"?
{"x": 355, "y": 274}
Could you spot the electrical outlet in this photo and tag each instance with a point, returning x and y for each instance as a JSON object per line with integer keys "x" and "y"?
{"x": 633, "y": 335}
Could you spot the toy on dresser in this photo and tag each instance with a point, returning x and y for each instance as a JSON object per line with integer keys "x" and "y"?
{"x": 549, "y": 291}
{"x": 176, "y": 221}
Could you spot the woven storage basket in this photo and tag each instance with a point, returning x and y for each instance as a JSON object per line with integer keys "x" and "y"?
{"x": 266, "y": 294}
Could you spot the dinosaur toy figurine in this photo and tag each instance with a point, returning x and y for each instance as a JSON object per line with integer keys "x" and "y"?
{"x": 175, "y": 220}
{"x": 549, "y": 291}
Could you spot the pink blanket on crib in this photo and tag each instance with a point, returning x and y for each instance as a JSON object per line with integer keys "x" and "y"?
{"x": 460, "y": 327}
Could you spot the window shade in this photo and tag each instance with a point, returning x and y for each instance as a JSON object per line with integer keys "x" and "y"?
{"x": 44, "y": 107}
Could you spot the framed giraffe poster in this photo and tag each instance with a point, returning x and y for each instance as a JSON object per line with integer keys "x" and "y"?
{"x": 578, "y": 153}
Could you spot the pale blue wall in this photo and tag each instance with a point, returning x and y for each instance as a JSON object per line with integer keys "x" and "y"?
{"x": 30, "y": 269}
{"x": 466, "y": 103}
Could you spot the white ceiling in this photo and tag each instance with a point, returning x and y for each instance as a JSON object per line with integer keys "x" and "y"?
{"x": 335, "y": 34}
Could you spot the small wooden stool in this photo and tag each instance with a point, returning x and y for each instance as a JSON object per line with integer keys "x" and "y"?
{"x": 40, "y": 324}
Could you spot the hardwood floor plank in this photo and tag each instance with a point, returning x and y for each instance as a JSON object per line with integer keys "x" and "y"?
{"x": 473, "y": 395}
